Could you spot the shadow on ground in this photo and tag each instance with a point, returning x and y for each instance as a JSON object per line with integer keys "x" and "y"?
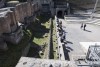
{"x": 37, "y": 30}
{"x": 10, "y": 57}
{"x": 87, "y": 30}
{"x": 67, "y": 50}
{"x": 34, "y": 50}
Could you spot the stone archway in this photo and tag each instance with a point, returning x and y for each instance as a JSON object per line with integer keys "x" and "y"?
{"x": 59, "y": 13}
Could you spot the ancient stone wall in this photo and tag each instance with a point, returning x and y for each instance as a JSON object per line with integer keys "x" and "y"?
{"x": 12, "y": 3}
{"x": 29, "y": 12}
{"x": 4, "y": 22}
{"x": 9, "y": 20}
{"x": 10, "y": 17}
{"x": 2, "y": 3}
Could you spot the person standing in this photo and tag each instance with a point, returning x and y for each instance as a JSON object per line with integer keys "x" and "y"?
{"x": 81, "y": 25}
{"x": 84, "y": 26}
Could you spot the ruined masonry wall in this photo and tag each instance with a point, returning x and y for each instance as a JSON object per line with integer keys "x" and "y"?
{"x": 10, "y": 17}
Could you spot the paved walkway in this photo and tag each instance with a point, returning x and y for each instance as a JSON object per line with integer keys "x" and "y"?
{"x": 35, "y": 62}
{"x": 74, "y": 35}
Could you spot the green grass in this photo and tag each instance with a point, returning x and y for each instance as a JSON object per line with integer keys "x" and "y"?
{"x": 40, "y": 30}
{"x": 44, "y": 38}
{"x": 40, "y": 41}
{"x": 11, "y": 57}
{"x": 55, "y": 42}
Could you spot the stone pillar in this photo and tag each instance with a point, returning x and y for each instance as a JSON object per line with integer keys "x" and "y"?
{"x": 33, "y": 8}
{"x": 13, "y": 24}
{"x": 4, "y": 22}
{"x": 11, "y": 32}
{"x": 9, "y": 19}
{"x": 29, "y": 8}
{"x": 24, "y": 8}
{"x": 16, "y": 31}
{"x": 19, "y": 13}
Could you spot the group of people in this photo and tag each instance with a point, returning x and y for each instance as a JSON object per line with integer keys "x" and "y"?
{"x": 60, "y": 30}
{"x": 83, "y": 26}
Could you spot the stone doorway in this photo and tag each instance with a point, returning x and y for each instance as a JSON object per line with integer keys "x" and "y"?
{"x": 59, "y": 13}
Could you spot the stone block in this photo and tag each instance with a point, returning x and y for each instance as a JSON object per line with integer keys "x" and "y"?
{"x": 4, "y": 22}
{"x": 16, "y": 14}
{"x": 9, "y": 20}
{"x": 32, "y": 8}
{"x": 9, "y": 28}
{"x": 13, "y": 24}
{"x": 19, "y": 13}
{"x": 14, "y": 37}
{"x": 24, "y": 8}
{"x": 12, "y": 3}
{"x": 29, "y": 8}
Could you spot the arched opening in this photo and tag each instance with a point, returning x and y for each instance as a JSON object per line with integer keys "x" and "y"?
{"x": 59, "y": 14}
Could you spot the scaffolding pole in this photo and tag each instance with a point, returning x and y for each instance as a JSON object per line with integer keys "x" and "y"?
{"x": 94, "y": 8}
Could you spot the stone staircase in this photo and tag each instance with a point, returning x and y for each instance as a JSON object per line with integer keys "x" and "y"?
{"x": 81, "y": 16}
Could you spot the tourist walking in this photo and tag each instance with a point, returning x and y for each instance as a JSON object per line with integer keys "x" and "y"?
{"x": 57, "y": 20}
{"x": 81, "y": 25}
{"x": 84, "y": 26}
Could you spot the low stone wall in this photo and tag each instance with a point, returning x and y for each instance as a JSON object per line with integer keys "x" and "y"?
{"x": 50, "y": 43}
{"x": 59, "y": 39}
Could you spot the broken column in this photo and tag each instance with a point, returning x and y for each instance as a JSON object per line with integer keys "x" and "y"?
{"x": 19, "y": 13}
{"x": 26, "y": 13}
{"x": 22, "y": 12}
{"x": 3, "y": 45}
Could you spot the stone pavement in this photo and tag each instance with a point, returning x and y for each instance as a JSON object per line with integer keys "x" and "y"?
{"x": 35, "y": 62}
{"x": 75, "y": 35}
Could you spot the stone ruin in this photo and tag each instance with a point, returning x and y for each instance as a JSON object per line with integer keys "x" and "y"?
{"x": 2, "y": 3}
{"x": 11, "y": 19}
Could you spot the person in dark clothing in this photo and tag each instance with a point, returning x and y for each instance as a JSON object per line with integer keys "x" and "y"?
{"x": 81, "y": 25}
{"x": 57, "y": 20}
{"x": 84, "y": 26}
